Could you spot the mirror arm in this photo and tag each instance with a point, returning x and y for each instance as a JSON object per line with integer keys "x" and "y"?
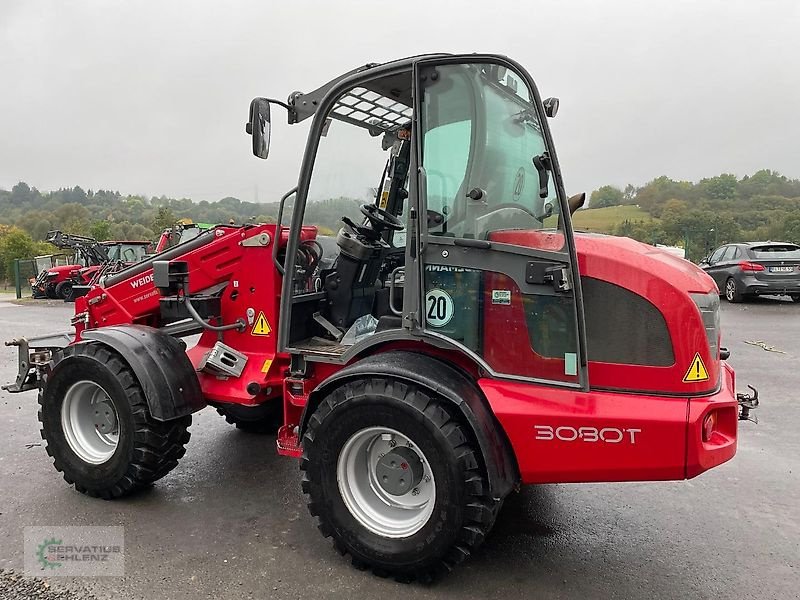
{"x": 279, "y": 103}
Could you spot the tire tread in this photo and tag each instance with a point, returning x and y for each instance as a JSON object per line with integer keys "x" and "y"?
{"x": 157, "y": 444}
{"x": 479, "y": 511}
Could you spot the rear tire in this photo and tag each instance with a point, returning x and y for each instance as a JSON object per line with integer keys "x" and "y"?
{"x": 98, "y": 427}
{"x": 343, "y": 475}
{"x": 265, "y": 418}
{"x": 796, "y": 298}
{"x": 732, "y": 293}
{"x": 64, "y": 290}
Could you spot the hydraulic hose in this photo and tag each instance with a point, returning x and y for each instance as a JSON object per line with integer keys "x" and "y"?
{"x": 239, "y": 324}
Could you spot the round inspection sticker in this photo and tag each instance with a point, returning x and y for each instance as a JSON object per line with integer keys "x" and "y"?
{"x": 438, "y": 308}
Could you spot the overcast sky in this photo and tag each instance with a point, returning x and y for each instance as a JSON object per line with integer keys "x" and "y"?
{"x": 151, "y": 97}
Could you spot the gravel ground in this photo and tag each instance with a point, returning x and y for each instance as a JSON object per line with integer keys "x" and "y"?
{"x": 14, "y": 586}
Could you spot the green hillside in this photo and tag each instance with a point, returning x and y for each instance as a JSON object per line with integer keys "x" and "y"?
{"x": 606, "y": 220}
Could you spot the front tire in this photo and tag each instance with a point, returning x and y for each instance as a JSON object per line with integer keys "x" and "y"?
{"x": 795, "y": 298}
{"x": 98, "y": 427}
{"x": 64, "y": 290}
{"x": 395, "y": 479}
{"x": 732, "y": 293}
{"x": 50, "y": 291}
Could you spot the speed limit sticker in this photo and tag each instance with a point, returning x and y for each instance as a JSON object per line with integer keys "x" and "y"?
{"x": 438, "y": 308}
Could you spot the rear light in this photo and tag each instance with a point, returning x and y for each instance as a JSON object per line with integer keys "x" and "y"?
{"x": 709, "y": 425}
{"x": 750, "y": 267}
{"x": 708, "y": 305}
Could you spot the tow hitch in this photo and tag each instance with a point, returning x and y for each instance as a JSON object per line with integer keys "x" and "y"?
{"x": 34, "y": 357}
{"x": 747, "y": 403}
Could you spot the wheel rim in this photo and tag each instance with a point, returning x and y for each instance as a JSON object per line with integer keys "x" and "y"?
{"x": 90, "y": 422}
{"x": 386, "y": 482}
{"x": 730, "y": 289}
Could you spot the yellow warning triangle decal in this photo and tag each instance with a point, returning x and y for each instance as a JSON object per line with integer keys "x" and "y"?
{"x": 697, "y": 371}
{"x": 261, "y": 326}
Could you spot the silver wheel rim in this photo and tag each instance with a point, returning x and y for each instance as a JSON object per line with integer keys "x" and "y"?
{"x": 381, "y": 512}
{"x": 730, "y": 289}
{"x": 90, "y": 422}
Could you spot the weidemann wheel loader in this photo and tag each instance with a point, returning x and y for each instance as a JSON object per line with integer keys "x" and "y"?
{"x": 454, "y": 340}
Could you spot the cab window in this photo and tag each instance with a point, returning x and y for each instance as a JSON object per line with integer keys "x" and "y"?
{"x": 482, "y": 142}
{"x": 717, "y": 255}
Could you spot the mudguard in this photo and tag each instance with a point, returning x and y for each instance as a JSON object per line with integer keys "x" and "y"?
{"x": 159, "y": 361}
{"x": 448, "y": 383}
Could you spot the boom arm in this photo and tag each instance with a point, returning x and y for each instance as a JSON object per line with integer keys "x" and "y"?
{"x": 90, "y": 248}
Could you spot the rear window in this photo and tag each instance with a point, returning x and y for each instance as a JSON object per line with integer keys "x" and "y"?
{"x": 779, "y": 252}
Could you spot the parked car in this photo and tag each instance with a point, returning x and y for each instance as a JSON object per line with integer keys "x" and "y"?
{"x": 750, "y": 269}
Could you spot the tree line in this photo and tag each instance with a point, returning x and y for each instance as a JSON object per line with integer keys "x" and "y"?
{"x": 710, "y": 212}
{"x": 27, "y": 214}
{"x": 699, "y": 215}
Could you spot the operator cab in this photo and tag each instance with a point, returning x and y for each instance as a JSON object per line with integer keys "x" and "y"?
{"x": 464, "y": 242}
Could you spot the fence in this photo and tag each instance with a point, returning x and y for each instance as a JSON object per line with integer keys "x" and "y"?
{"x": 27, "y": 269}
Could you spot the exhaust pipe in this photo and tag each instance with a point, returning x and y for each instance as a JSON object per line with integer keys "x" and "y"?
{"x": 576, "y": 201}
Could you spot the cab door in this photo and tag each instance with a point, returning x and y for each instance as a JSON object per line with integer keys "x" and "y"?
{"x": 497, "y": 272}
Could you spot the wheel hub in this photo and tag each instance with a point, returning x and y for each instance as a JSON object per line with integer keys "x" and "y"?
{"x": 105, "y": 417}
{"x": 399, "y": 471}
{"x": 90, "y": 422}
{"x": 386, "y": 482}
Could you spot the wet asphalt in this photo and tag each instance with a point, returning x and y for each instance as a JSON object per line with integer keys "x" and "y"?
{"x": 230, "y": 521}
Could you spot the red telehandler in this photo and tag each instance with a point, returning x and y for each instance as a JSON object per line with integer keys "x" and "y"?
{"x": 95, "y": 259}
{"x": 454, "y": 340}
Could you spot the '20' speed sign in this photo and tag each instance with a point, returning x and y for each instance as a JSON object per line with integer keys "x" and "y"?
{"x": 438, "y": 308}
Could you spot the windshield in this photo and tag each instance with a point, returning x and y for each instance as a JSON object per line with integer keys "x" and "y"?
{"x": 129, "y": 253}
{"x": 786, "y": 251}
{"x": 482, "y": 141}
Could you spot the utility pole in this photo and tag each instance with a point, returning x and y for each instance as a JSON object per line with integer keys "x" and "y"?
{"x": 18, "y": 278}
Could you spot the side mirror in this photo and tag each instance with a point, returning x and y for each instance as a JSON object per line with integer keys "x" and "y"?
{"x": 704, "y": 261}
{"x": 551, "y": 107}
{"x": 259, "y": 126}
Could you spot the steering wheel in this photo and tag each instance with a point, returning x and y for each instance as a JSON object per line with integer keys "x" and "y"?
{"x": 380, "y": 219}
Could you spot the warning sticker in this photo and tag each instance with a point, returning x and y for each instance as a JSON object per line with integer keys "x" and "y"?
{"x": 261, "y": 326}
{"x": 267, "y": 364}
{"x": 697, "y": 371}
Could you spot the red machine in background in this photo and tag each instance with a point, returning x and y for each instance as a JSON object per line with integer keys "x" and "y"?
{"x": 182, "y": 232}
{"x": 93, "y": 260}
{"x": 454, "y": 340}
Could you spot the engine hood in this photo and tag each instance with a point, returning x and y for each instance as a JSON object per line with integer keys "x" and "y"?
{"x": 64, "y": 269}
{"x": 623, "y": 260}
